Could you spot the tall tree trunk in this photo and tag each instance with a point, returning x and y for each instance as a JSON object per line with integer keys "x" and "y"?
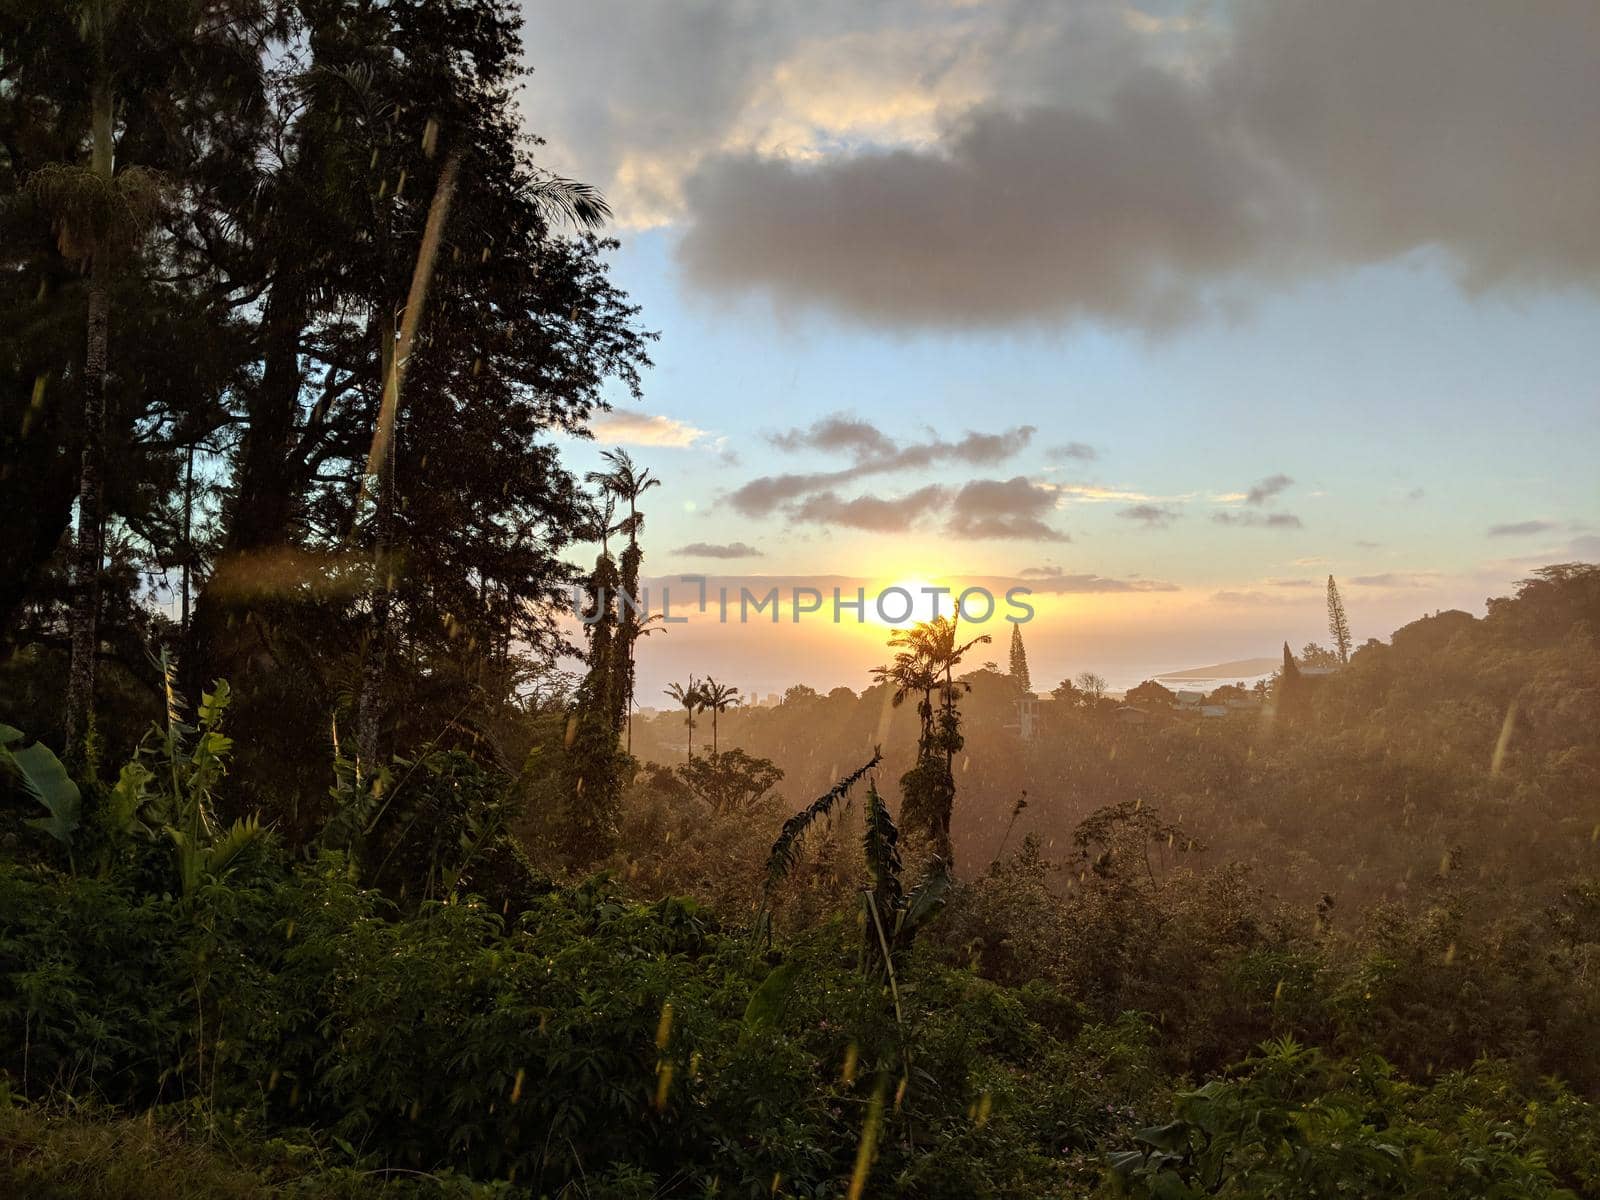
{"x": 266, "y": 487}
{"x": 380, "y": 463}
{"x": 188, "y": 537}
{"x": 375, "y": 666}
{"x": 84, "y": 622}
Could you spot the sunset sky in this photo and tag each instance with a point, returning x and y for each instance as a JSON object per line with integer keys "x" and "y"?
{"x": 1169, "y": 310}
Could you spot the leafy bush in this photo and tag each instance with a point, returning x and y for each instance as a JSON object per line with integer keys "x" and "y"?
{"x": 1290, "y": 1122}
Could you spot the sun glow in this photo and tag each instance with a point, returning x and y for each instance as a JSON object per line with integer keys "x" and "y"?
{"x": 917, "y": 598}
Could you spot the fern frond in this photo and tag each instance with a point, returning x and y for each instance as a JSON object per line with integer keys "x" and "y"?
{"x": 785, "y": 851}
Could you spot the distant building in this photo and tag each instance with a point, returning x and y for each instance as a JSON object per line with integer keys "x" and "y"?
{"x": 1213, "y": 710}
{"x": 1129, "y": 715}
{"x": 1189, "y": 699}
{"x": 1028, "y": 717}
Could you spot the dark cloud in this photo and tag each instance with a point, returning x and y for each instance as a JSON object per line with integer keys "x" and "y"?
{"x": 984, "y": 509}
{"x": 718, "y": 550}
{"x": 985, "y": 449}
{"x": 1294, "y": 583}
{"x": 1125, "y": 215}
{"x": 875, "y": 454}
{"x": 1269, "y": 487}
{"x": 689, "y": 79}
{"x": 1004, "y": 509}
{"x": 760, "y": 496}
{"x": 1042, "y": 572}
{"x": 1154, "y": 516}
{"x": 1321, "y": 135}
{"x": 1521, "y": 528}
{"x": 861, "y": 439}
{"x": 1434, "y": 123}
{"x": 1261, "y": 520}
{"x": 872, "y": 513}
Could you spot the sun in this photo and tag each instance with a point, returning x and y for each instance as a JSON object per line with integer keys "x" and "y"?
{"x": 899, "y": 603}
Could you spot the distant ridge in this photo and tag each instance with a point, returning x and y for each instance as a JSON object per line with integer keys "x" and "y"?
{"x": 1243, "y": 668}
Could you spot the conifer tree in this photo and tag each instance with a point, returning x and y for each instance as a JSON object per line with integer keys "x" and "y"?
{"x": 1019, "y": 660}
{"x": 1286, "y": 691}
{"x": 1338, "y": 625}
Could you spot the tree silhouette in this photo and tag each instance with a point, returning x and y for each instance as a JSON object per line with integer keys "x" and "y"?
{"x": 1338, "y": 625}
{"x": 627, "y": 482}
{"x": 1019, "y": 660}
{"x": 1287, "y": 690}
{"x": 691, "y": 699}
{"x": 929, "y": 654}
{"x": 1151, "y": 692}
{"x": 99, "y": 214}
{"x": 911, "y": 674}
{"x": 717, "y": 698}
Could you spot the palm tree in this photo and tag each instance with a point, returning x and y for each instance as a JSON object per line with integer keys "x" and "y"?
{"x": 934, "y": 644}
{"x": 626, "y": 482}
{"x": 911, "y": 674}
{"x": 718, "y": 698}
{"x": 691, "y": 699}
{"x": 929, "y": 655}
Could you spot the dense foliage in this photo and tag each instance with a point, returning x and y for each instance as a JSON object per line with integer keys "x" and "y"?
{"x": 409, "y": 1003}
{"x": 290, "y": 316}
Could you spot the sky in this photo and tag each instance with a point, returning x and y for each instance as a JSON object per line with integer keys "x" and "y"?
{"x": 1167, "y": 311}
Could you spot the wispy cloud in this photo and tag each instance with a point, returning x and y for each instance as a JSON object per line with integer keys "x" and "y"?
{"x": 874, "y": 453}
{"x": 718, "y": 550}
{"x": 1152, "y": 516}
{"x": 1093, "y": 493}
{"x": 1089, "y": 584}
{"x": 1077, "y": 451}
{"x": 1521, "y": 528}
{"x": 1398, "y": 579}
{"x": 1269, "y": 487}
{"x": 644, "y": 429}
{"x": 1262, "y": 520}
{"x": 1254, "y": 598}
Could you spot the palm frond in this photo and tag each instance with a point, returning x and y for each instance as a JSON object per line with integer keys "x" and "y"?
{"x": 579, "y": 204}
